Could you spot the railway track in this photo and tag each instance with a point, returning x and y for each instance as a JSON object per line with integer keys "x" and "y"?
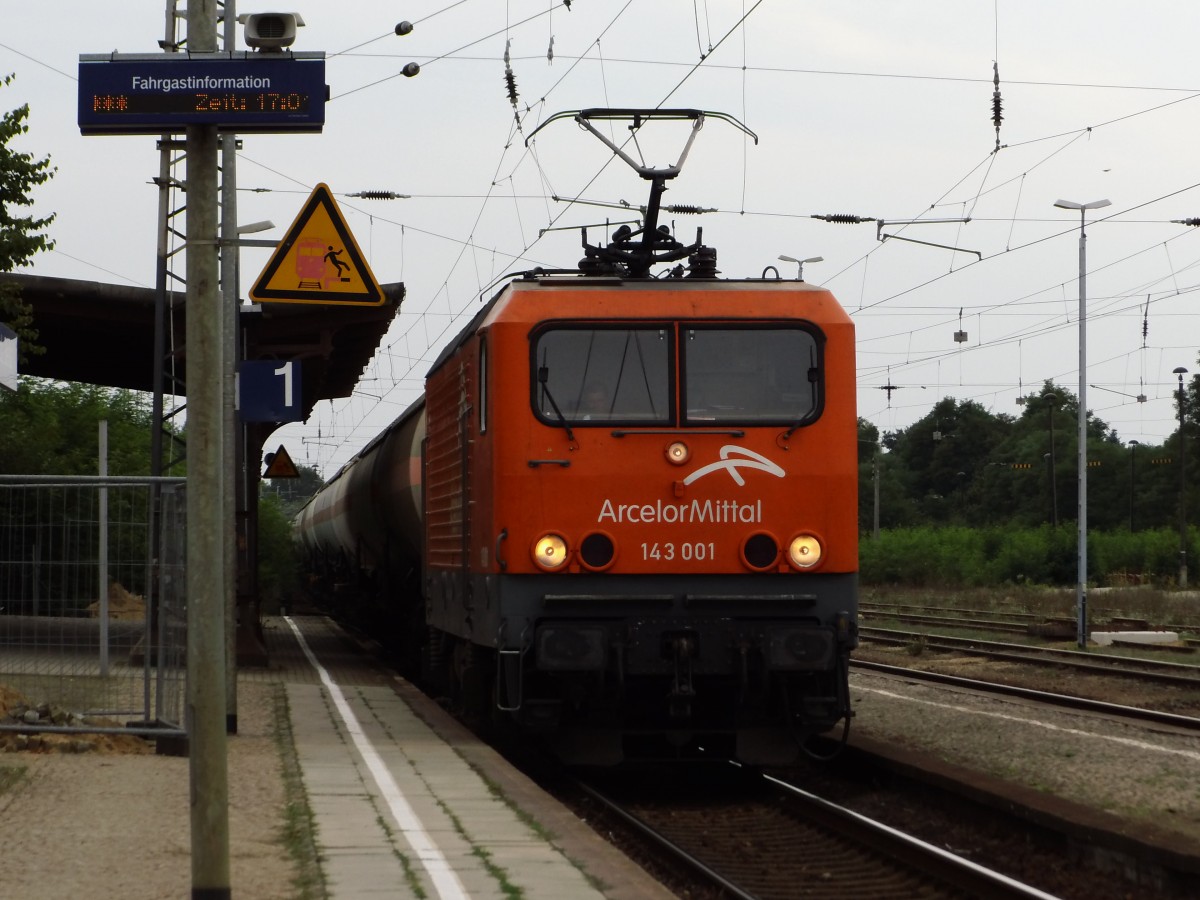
{"x": 1155, "y": 671}
{"x": 715, "y": 836}
{"x": 1067, "y": 701}
{"x": 1011, "y": 620}
{"x": 1012, "y": 623}
{"x": 749, "y": 835}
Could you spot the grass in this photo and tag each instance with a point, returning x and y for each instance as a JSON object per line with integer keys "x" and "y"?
{"x": 410, "y": 875}
{"x": 528, "y": 820}
{"x": 532, "y": 824}
{"x": 1159, "y": 607}
{"x": 299, "y": 830}
{"x": 10, "y": 777}
{"x": 507, "y": 888}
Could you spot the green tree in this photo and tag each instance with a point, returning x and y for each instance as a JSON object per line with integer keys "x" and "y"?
{"x": 938, "y": 459}
{"x": 1034, "y": 477}
{"x": 278, "y": 556}
{"x": 293, "y": 493}
{"x": 21, "y": 236}
{"x": 50, "y": 427}
{"x": 962, "y": 465}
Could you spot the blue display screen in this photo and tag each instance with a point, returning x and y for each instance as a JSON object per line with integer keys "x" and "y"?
{"x": 166, "y": 93}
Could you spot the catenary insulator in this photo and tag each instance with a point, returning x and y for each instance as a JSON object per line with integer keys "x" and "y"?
{"x": 510, "y": 82}
{"x": 845, "y": 218}
{"x": 997, "y": 107}
{"x": 997, "y": 117}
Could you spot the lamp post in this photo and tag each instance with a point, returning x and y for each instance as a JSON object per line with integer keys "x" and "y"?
{"x": 800, "y": 264}
{"x": 1081, "y": 574}
{"x": 1181, "y": 371}
{"x": 1052, "y": 399}
{"x": 875, "y": 477}
{"x": 1133, "y": 445}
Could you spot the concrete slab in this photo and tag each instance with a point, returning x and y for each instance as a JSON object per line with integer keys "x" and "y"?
{"x": 401, "y": 809}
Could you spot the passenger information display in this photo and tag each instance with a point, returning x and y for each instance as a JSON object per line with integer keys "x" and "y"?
{"x": 241, "y": 92}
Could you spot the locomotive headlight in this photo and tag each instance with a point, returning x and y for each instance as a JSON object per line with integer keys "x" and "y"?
{"x": 678, "y": 453}
{"x": 804, "y": 551}
{"x": 550, "y": 552}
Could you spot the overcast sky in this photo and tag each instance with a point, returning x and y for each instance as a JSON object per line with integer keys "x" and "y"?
{"x": 877, "y": 109}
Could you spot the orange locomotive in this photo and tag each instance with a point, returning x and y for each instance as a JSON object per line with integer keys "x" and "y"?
{"x": 635, "y": 530}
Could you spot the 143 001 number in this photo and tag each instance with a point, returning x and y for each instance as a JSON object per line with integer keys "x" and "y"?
{"x": 698, "y": 551}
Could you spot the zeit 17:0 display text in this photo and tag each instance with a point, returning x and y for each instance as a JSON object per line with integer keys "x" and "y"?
{"x": 202, "y": 102}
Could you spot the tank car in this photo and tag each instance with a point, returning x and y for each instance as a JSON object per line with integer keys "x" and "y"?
{"x": 624, "y": 513}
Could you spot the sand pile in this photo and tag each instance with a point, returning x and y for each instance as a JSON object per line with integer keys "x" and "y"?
{"x": 16, "y": 710}
{"x": 121, "y": 604}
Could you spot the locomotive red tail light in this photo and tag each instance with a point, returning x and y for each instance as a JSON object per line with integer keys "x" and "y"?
{"x": 760, "y": 551}
{"x": 550, "y": 552}
{"x": 804, "y": 551}
{"x": 597, "y": 551}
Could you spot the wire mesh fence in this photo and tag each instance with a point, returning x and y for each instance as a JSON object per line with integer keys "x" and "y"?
{"x": 92, "y": 604}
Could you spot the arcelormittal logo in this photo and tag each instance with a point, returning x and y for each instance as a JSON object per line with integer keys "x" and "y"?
{"x": 734, "y": 458}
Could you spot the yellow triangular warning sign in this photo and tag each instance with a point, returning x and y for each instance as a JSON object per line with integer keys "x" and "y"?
{"x": 280, "y": 465}
{"x": 318, "y": 261}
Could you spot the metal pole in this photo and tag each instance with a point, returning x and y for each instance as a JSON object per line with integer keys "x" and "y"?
{"x": 1081, "y": 575}
{"x": 205, "y": 554}
{"x": 102, "y": 552}
{"x": 1053, "y": 481}
{"x": 229, "y": 343}
{"x": 1133, "y": 445}
{"x": 1183, "y": 567}
{"x": 875, "y": 532}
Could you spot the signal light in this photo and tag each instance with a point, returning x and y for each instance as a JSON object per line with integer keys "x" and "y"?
{"x": 678, "y": 453}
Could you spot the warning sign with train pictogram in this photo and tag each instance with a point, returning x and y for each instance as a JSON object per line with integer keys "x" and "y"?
{"x": 318, "y": 261}
{"x": 280, "y": 465}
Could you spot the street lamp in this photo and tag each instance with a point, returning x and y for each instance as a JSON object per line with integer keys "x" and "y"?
{"x": 1181, "y": 371}
{"x": 1081, "y": 574}
{"x": 1133, "y": 445}
{"x": 800, "y": 264}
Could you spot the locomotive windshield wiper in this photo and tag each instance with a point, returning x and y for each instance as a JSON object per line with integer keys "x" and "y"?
{"x": 814, "y": 375}
{"x": 543, "y": 378}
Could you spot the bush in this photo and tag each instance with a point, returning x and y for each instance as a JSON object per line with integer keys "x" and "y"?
{"x": 977, "y": 557}
{"x": 278, "y": 556}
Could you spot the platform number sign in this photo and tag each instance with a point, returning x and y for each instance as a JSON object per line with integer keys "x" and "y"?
{"x": 269, "y": 391}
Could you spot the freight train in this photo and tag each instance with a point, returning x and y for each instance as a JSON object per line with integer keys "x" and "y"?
{"x": 624, "y": 513}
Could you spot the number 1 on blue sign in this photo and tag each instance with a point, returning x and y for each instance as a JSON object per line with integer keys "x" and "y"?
{"x": 286, "y": 371}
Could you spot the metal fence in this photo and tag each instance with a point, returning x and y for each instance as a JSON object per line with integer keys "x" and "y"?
{"x": 92, "y": 605}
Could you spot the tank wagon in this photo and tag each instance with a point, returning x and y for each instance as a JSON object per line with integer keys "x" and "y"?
{"x": 624, "y": 513}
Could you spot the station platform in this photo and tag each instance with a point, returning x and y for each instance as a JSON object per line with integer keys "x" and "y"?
{"x": 407, "y": 802}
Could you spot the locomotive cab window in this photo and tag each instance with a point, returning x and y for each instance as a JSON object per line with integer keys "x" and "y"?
{"x": 600, "y": 376}
{"x": 747, "y": 375}
{"x": 483, "y": 385}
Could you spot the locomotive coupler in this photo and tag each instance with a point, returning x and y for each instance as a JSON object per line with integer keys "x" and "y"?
{"x": 682, "y": 649}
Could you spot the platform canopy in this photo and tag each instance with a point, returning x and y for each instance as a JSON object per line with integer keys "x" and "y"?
{"x": 104, "y": 334}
